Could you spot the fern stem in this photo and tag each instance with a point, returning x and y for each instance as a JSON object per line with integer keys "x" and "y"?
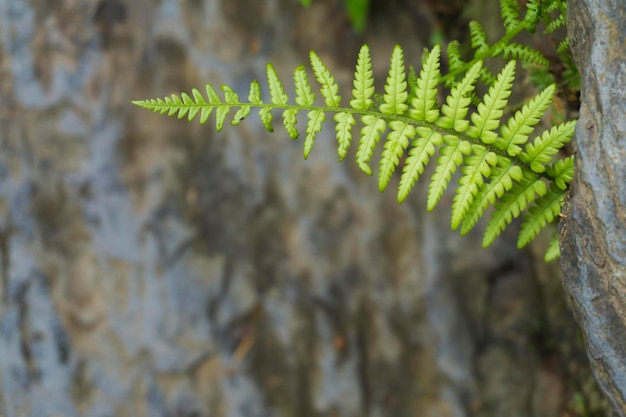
{"x": 362, "y": 112}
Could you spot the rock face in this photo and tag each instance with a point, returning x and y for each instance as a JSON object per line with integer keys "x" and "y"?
{"x": 150, "y": 267}
{"x": 594, "y": 233}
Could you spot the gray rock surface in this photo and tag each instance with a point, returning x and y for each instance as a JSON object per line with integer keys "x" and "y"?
{"x": 594, "y": 233}
{"x": 150, "y": 267}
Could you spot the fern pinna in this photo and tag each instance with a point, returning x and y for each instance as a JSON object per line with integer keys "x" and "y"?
{"x": 500, "y": 165}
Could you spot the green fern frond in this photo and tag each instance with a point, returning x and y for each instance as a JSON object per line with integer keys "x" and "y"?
{"x": 277, "y": 92}
{"x": 419, "y": 155}
{"x": 487, "y": 77}
{"x": 553, "y": 251}
{"x": 522, "y": 124}
{"x": 562, "y": 172}
{"x": 498, "y": 165}
{"x": 313, "y": 127}
{"x": 487, "y": 118}
{"x": 533, "y": 14}
{"x": 477, "y": 167}
{"x": 538, "y": 153}
{"x": 363, "y": 81}
{"x": 372, "y": 128}
{"x": 509, "y": 10}
{"x": 542, "y": 212}
{"x": 455, "y": 62}
{"x": 395, "y": 97}
{"x": 344, "y": 121}
{"x": 397, "y": 141}
{"x": 557, "y": 23}
{"x": 452, "y": 154}
{"x": 478, "y": 36}
{"x": 329, "y": 88}
{"x": 457, "y": 103}
{"x": 278, "y": 97}
{"x": 304, "y": 96}
{"x": 524, "y": 53}
{"x": 503, "y": 176}
{"x": 563, "y": 47}
{"x": 424, "y": 103}
{"x": 512, "y": 204}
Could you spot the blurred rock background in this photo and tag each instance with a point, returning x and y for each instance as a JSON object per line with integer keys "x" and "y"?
{"x": 150, "y": 267}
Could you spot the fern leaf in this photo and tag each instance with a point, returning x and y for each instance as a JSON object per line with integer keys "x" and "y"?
{"x": 563, "y": 47}
{"x": 242, "y": 113}
{"x": 289, "y": 121}
{"x": 487, "y": 77}
{"x": 279, "y": 97}
{"x": 487, "y": 118}
{"x": 540, "y": 214}
{"x": 478, "y": 37}
{"x": 221, "y": 112}
{"x": 553, "y": 251}
{"x": 329, "y": 88}
{"x": 457, "y": 103}
{"x": 422, "y": 149}
{"x": 451, "y": 156}
{"x": 232, "y": 98}
{"x": 472, "y": 144}
{"x": 424, "y": 102}
{"x": 213, "y": 99}
{"x": 395, "y": 97}
{"x": 363, "y": 81}
{"x": 313, "y": 127}
{"x": 198, "y": 101}
{"x": 373, "y": 126}
{"x": 397, "y": 141}
{"x": 180, "y": 104}
{"x": 478, "y": 166}
{"x": 265, "y": 114}
{"x": 555, "y": 24}
{"x": 512, "y": 204}
{"x": 198, "y": 97}
{"x": 524, "y": 53}
{"x": 533, "y": 14}
{"x": 277, "y": 92}
{"x": 304, "y": 96}
{"x": 562, "y": 172}
{"x": 538, "y": 153}
{"x": 510, "y": 13}
{"x": 454, "y": 60}
{"x": 500, "y": 181}
{"x": 521, "y": 125}
{"x": 344, "y": 121}
{"x": 254, "y": 96}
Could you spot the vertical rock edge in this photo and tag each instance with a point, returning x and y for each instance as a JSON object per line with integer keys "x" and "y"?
{"x": 593, "y": 231}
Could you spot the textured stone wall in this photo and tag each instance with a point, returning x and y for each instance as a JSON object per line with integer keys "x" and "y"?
{"x": 150, "y": 267}
{"x": 594, "y": 233}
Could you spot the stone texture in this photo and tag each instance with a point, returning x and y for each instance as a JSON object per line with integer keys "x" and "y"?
{"x": 594, "y": 232}
{"x": 151, "y": 267}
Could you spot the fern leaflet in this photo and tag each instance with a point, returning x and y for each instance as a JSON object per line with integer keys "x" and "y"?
{"x": 544, "y": 211}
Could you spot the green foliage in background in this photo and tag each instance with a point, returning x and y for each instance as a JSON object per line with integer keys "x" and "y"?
{"x": 355, "y": 9}
{"x": 505, "y": 161}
